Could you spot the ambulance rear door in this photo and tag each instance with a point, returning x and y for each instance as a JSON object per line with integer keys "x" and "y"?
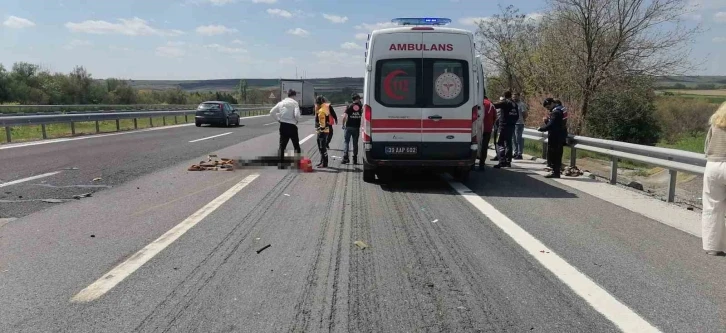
{"x": 395, "y": 112}
{"x": 448, "y": 102}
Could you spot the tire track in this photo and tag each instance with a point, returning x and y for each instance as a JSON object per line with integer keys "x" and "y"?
{"x": 316, "y": 293}
{"x": 174, "y": 305}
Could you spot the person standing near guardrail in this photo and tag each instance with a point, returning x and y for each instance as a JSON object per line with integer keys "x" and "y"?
{"x": 519, "y": 127}
{"x": 714, "y": 186}
{"x": 322, "y": 127}
{"x": 287, "y": 113}
{"x": 556, "y": 136}
{"x": 351, "y": 127}
{"x": 507, "y": 120}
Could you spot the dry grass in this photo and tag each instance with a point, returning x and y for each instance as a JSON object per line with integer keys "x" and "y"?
{"x": 716, "y": 92}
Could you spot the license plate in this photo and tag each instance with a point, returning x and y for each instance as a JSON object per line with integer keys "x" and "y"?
{"x": 209, "y": 113}
{"x": 401, "y": 150}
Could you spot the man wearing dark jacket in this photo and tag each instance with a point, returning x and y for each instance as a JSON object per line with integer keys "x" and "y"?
{"x": 506, "y": 122}
{"x": 351, "y": 128}
{"x": 556, "y": 135}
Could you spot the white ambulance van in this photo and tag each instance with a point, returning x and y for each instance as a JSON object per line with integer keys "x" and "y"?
{"x": 423, "y": 94}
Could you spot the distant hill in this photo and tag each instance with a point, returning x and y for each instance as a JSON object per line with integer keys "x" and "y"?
{"x": 690, "y": 81}
{"x": 322, "y": 85}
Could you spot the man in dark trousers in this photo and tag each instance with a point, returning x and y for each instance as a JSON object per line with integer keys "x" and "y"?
{"x": 507, "y": 122}
{"x": 287, "y": 113}
{"x": 351, "y": 127}
{"x": 556, "y": 135}
{"x": 488, "y": 124}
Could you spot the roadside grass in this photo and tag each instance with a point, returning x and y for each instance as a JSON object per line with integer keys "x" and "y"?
{"x": 693, "y": 143}
{"x": 30, "y": 133}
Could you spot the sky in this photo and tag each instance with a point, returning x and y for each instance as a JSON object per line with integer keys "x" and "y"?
{"x": 222, "y": 39}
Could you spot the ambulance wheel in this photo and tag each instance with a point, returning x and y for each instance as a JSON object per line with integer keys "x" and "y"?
{"x": 369, "y": 175}
{"x": 462, "y": 174}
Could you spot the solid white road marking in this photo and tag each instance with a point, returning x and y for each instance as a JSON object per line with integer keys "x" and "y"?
{"x": 306, "y": 138}
{"x": 270, "y": 124}
{"x": 126, "y": 268}
{"x": 18, "y": 181}
{"x": 615, "y": 311}
{"x": 210, "y": 137}
{"x": 43, "y": 142}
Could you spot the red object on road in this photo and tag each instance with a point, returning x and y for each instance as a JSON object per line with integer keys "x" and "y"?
{"x": 306, "y": 165}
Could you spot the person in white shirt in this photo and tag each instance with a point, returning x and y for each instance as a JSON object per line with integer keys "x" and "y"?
{"x": 287, "y": 113}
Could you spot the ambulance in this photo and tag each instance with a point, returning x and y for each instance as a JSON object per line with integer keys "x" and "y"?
{"x": 423, "y": 91}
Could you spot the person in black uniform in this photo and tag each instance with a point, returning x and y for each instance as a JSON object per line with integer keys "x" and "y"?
{"x": 507, "y": 121}
{"x": 351, "y": 127}
{"x": 556, "y": 136}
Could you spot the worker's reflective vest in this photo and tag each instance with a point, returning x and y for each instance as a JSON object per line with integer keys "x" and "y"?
{"x": 324, "y": 118}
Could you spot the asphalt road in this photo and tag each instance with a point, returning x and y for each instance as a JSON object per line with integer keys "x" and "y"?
{"x": 432, "y": 262}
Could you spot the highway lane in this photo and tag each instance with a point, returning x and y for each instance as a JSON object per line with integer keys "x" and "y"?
{"x": 72, "y": 166}
{"x": 433, "y": 263}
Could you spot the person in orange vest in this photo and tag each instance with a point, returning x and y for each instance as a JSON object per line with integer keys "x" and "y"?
{"x": 322, "y": 127}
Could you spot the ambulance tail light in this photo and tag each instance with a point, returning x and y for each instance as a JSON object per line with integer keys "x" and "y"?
{"x": 367, "y": 116}
{"x": 474, "y": 117}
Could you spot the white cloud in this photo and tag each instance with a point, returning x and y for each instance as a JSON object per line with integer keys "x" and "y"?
{"x": 351, "y": 46}
{"x": 376, "y": 26}
{"x": 220, "y": 2}
{"x": 719, "y": 39}
{"x": 211, "y": 30}
{"x": 225, "y": 49}
{"x": 536, "y": 17}
{"x": 129, "y": 27}
{"x": 340, "y": 58}
{"x": 361, "y": 36}
{"x": 473, "y": 20}
{"x": 265, "y": 1}
{"x": 720, "y": 17}
{"x": 335, "y": 18}
{"x": 287, "y": 61}
{"x": 15, "y": 22}
{"x": 76, "y": 43}
{"x": 171, "y": 50}
{"x": 279, "y": 12}
{"x": 118, "y": 48}
{"x": 298, "y": 32}
{"x": 237, "y": 41}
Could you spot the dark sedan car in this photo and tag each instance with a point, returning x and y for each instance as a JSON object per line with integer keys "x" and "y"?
{"x": 217, "y": 113}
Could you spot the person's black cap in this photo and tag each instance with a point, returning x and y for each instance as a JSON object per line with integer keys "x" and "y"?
{"x": 354, "y": 96}
{"x": 291, "y": 93}
{"x": 548, "y": 101}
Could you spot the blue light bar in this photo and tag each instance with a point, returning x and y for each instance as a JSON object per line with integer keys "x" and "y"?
{"x": 421, "y": 21}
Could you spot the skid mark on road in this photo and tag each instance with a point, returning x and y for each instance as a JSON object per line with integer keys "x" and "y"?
{"x": 180, "y": 304}
{"x": 618, "y": 313}
{"x": 120, "y": 272}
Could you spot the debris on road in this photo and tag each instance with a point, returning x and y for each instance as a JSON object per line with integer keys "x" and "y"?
{"x": 636, "y": 185}
{"x": 572, "y": 171}
{"x": 52, "y": 200}
{"x": 543, "y": 251}
{"x": 287, "y": 195}
{"x": 72, "y": 168}
{"x": 93, "y": 236}
{"x": 97, "y": 179}
{"x": 434, "y": 221}
{"x": 361, "y": 245}
{"x": 84, "y": 195}
{"x": 262, "y": 249}
{"x": 213, "y": 163}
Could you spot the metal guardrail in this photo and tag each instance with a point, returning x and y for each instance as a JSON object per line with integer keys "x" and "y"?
{"x": 8, "y": 122}
{"x": 672, "y": 159}
{"x": 6, "y": 110}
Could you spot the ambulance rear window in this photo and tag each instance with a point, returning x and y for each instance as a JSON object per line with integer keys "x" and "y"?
{"x": 422, "y": 83}
{"x": 449, "y": 80}
{"x": 396, "y": 82}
